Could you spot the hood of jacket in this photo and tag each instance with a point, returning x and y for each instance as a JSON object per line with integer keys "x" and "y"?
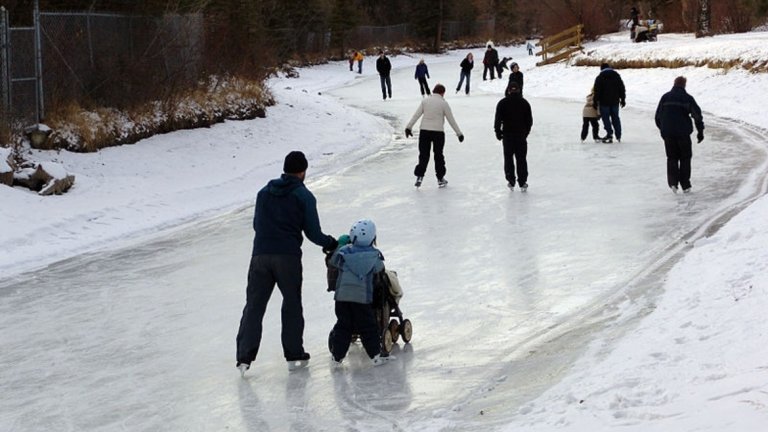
{"x": 284, "y": 185}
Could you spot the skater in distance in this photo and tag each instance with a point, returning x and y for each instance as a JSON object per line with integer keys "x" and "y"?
{"x": 512, "y": 124}
{"x": 435, "y": 110}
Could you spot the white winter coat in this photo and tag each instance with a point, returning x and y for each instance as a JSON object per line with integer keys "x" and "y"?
{"x": 435, "y": 110}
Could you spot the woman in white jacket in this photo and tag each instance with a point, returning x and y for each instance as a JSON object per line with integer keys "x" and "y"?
{"x": 435, "y": 110}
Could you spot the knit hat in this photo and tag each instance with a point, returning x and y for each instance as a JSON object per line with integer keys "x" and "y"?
{"x": 513, "y": 87}
{"x": 295, "y": 162}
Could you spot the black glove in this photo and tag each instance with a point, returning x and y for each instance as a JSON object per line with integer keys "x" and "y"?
{"x": 408, "y": 133}
{"x": 461, "y": 138}
{"x": 331, "y": 247}
{"x": 700, "y": 137}
{"x": 499, "y": 136}
{"x": 623, "y": 103}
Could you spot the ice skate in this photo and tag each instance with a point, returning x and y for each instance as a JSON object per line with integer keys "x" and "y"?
{"x": 382, "y": 359}
{"x": 674, "y": 189}
{"x": 418, "y": 181}
{"x": 441, "y": 183}
{"x": 687, "y": 190}
{"x": 511, "y": 186}
{"x": 524, "y": 187}
{"x": 608, "y": 140}
{"x": 299, "y": 362}
{"x": 336, "y": 364}
{"x": 242, "y": 367}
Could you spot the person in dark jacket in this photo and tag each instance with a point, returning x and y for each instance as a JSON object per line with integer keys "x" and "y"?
{"x": 490, "y": 61}
{"x": 609, "y": 95}
{"x": 466, "y": 71}
{"x": 384, "y": 67}
{"x": 284, "y": 209}
{"x": 502, "y": 65}
{"x": 512, "y": 125}
{"x": 673, "y": 118}
{"x": 421, "y": 74}
{"x": 515, "y": 76}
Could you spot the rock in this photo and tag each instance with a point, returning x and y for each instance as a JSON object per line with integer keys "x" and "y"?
{"x": 47, "y": 178}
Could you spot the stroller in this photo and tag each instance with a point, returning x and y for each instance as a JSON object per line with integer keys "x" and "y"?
{"x": 647, "y": 31}
{"x": 386, "y": 298}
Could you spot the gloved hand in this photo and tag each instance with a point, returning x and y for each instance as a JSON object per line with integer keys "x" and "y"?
{"x": 499, "y": 136}
{"x": 700, "y": 137}
{"x": 408, "y": 133}
{"x": 623, "y": 103}
{"x": 461, "y": 138}
{"x": 331, "y": 247}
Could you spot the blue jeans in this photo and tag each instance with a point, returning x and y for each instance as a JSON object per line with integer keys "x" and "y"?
{"x": 386, "y": 86}
{"x": 461, "y": 80}
{"x": 611, "y": 121}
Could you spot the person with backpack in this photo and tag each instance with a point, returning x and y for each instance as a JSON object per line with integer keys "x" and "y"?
{"x": 421, "y": 74}
{"x": 384, "y": 67}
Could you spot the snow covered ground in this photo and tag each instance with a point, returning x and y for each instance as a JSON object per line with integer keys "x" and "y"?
{"x": 599, "y": 300}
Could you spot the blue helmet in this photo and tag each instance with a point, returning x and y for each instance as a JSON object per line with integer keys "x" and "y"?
{"x": 363, "y": 232}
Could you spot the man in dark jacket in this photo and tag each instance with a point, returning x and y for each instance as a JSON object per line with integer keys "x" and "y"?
{"x": 284, "y": 208}
{"x": 383, "y": 67}
{"x": 490, "y": 61}
{"x": 609, "y": 94}
{"x": 673, "y": 118}
{"x": 512, "y": 125}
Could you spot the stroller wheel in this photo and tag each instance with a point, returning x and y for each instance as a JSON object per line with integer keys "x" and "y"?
{"x": 386, "y": 341}
{"x": 406, "y": 330}
{"x": 394, "y": 330}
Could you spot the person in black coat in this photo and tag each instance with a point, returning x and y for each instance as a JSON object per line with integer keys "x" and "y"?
{"x": 466, "y": 71}
{"x": 490, "y": 61}
{"x": 516, "y": 76}
{"x": 609, "y": 95}
{"x": 512, "y": 125}
{"x": 384, "y": 67}
{"x": 673, "y": 118}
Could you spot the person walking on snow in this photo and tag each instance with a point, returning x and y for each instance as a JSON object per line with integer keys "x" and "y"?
{"x": 284, "y": 209}
{"x": 490, "y": 60}
{"x": 357, "y": 263}
{"x": 529, "y": 46}
{"x": 589, "y": 117}
{"x": 466, "y": 71}
{"x": 421, "y": 74}
{"x": 512, "y": 124}
{"x": 383, "y": 67}
{"x": 673, "y": 118}
{"x": 609, "y": 95}
{"x": 516, "y": 76}
{"x": 435, "y": 110}
{"x": 359, "y": 59}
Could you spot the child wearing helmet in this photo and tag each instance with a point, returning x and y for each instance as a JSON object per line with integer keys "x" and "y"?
{"x": 357, "y": 262}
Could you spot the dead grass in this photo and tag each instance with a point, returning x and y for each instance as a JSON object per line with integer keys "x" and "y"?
{"x": 754, "y": 67}
{"x": 86, "y": 130}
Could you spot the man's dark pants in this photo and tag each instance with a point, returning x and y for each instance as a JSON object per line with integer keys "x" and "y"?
{"x": 515, "y": 149}
{"x": 431, "y": 140}
{"x": 265, "y": 271}
{"x": 679, "y": 153}
{"x": 611, "y": 120}
{"x": 354, "y": 318}
{"x": 386, "y": 86}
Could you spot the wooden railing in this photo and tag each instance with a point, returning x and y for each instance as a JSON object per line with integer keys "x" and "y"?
{"x": 560, "y": 46}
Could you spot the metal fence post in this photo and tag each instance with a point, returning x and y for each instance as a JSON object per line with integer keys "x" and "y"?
{"x": 5, "y": 66}
{"x": 39, "y": 65}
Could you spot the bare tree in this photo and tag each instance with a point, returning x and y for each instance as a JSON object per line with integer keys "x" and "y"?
{"x": 704, "y": 18}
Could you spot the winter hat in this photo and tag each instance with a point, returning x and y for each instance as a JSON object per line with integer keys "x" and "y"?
{"x": 295, "y": 162}
{"x": 513, "y": 87}
{"x": 604, "y": 66}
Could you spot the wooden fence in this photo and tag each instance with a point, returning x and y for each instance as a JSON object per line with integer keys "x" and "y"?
{"x": 560, "y": 46}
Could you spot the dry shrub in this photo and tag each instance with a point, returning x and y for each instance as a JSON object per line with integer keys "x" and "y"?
{"x": 756, "y": 67}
